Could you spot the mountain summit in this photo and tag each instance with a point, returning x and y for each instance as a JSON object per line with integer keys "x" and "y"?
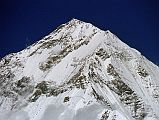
{"x": 78, "y": 72}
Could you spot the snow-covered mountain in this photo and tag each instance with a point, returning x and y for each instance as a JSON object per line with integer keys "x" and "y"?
{"x": 78, "y": 72}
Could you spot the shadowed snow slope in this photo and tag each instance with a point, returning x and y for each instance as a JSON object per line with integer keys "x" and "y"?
{"x": 78, "y": 72}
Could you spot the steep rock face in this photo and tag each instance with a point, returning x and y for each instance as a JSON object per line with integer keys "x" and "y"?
{"x": 78, "y": 72}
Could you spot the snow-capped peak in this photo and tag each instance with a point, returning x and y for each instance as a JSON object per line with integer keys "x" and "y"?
{"x": 78, "y": 72}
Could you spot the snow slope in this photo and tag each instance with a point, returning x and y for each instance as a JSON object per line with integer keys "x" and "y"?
{"x": 78, "y": 72}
